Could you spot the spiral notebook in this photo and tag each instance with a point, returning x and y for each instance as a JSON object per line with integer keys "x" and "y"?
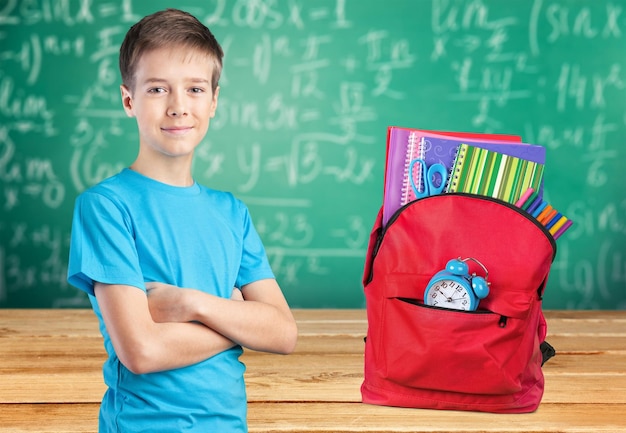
{"x": 493, "y": 174}
{"x": 406, "y": 144}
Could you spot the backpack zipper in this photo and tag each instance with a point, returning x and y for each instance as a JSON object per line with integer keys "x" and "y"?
{"x": 379, "y": 240}
{"x": 502, "y": 321}
{"x": 519, "y": 210}
{"x": 394, "y": 217}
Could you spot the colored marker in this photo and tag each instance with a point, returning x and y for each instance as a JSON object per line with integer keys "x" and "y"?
{"x": 543, "y": 213}
{"x": 554, "y": 220}
{"x": 548, "y": 217}
{"x": 534, "y": 206}
{"x": 558, "y": 225}
{"x": 530, "y": 200}
{"x": 524, "y": 197}
{"x": 539, "y": 209}
{"x": 560, "y": 231}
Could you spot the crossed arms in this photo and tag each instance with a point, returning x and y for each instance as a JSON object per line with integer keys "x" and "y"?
{"x": 175, "y": 327}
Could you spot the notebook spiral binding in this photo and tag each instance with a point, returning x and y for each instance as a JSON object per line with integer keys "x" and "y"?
{"x": 453, "y": 179}
{"x": 415, "y": 149}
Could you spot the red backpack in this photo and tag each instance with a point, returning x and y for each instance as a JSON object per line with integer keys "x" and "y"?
{"x": 424, "y": 356}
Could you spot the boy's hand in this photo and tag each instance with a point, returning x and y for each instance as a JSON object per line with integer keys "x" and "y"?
{"x": 167, "y": 303}
{"x": 236, "y": 295}
{"x": 170, "y": 303}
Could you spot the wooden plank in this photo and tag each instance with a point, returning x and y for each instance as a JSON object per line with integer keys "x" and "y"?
{"x": 46, "y": 352}
{"x": 49, "y": 418}
{"x": 340, "y": 418}
{"x": 346, "y": 417}
{"x": 332, "y": 315}
{"x": 573, "y": 390}
{"x": 590, "y": 315}
{"x": 568, "y": 344}
{"x": 47, "y": 387}
{"x": 587, "y": 364}
{"x": 17, "y": 323}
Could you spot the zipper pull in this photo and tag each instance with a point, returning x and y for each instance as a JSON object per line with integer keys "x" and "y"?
{"x": 502, "y": 322}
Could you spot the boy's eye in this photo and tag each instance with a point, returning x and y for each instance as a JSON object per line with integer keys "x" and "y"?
{"x": 197, "y": 90}
{"x": 156, "y": 90}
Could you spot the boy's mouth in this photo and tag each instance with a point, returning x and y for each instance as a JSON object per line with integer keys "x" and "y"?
{"x": 177, "y": 130}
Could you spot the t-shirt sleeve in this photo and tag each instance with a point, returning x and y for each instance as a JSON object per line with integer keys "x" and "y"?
{"x": 102, "y": 246}
{"x": 254, "y": 263}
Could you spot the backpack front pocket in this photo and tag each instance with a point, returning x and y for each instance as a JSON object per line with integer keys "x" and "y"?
{"x": 476, "y": 352}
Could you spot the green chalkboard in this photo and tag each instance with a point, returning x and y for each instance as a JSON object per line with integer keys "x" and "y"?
{"x": 308, "y": 90}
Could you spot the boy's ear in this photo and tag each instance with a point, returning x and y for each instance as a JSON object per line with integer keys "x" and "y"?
{"x": 214, "y": 102}
{"x": 127, "y": 100}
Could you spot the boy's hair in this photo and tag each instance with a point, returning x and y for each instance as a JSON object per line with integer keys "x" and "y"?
{"x": 167, "y": 28}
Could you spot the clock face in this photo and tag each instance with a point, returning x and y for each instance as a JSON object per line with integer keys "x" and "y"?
{"x": 447, "y": 293}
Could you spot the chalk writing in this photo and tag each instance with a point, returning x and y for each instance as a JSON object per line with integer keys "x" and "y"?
{"x": 566, "y": 21}
{"x": 589, "y": 283}
{"x": 70, "y": 13}
{"x": 32, "y": 176}
{"x": 271, "y": 114}
{"x": 585, "y": 90}
{"x": 15, "y": 104}
{"x": 85, "y": 165}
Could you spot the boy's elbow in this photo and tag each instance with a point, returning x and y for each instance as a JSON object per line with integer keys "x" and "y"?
{"x": 137, "y": 366}
{"x": 289, "y": 347}
{"x": 138, "y": 359}
{"x": 290, "y": 339}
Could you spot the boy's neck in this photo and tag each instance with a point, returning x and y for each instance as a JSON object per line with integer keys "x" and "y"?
{"x": 175, "y": 174}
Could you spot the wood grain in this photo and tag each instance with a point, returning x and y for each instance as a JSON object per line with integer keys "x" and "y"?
{"x": 51, "y": 378}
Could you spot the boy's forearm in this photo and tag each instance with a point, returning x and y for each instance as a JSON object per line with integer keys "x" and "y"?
{"x": 177, "y": 345}
{"x": 253, "y": 324}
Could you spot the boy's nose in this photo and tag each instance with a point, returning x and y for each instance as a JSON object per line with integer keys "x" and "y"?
{"x": 176, "y": 112}
{"x": 176, "y": 107}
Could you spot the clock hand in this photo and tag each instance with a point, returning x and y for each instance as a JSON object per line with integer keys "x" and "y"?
{"x": 448, "y": 298}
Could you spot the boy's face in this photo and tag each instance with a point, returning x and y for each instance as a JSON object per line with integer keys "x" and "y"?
{"x": 172, "y": 101}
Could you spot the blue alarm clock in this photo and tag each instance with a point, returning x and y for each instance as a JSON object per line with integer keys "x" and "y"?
{"x": 454, "y": 288}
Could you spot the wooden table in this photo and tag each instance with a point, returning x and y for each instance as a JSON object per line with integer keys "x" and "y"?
{"x": 51, "y": 380}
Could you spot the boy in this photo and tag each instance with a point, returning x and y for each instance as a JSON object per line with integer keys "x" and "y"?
{"x": 159, "y": 254}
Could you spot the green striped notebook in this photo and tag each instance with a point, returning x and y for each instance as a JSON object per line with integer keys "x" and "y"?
{"x": 493, "y": 174}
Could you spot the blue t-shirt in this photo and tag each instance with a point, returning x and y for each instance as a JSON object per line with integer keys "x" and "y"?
{"x": 130, "y": 229}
